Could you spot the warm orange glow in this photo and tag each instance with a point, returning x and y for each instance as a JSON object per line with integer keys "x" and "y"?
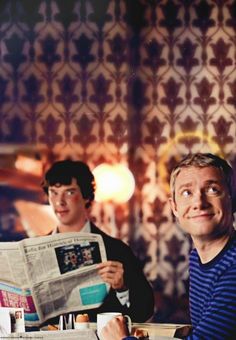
{"x": 28, "y": 164}
{"x": 113, "y": 183}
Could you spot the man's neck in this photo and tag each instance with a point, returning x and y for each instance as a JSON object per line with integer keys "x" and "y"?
{"x": 62, "y": 228}
{"x": 208, "y": 249}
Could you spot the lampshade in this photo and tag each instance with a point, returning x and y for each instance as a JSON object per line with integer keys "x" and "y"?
{"x": 113, "y": 183}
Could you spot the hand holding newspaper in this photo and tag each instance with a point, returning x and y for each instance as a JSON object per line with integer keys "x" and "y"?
{"x": 52, "y": 275}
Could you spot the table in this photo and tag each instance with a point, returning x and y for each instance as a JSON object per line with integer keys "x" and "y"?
{"x": 155, "y": 331}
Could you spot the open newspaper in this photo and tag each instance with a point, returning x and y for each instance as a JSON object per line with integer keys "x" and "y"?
{"x": 52, "y": 275}
{"x": 88, "y": 334}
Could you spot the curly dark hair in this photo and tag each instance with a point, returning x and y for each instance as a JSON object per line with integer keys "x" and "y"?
{"x": 62, "y": 172}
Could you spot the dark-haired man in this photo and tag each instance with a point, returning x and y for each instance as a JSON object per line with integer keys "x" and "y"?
{"x": 70, "y": 187}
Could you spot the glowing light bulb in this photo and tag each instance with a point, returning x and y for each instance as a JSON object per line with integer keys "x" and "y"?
{"x": 28, "y": 164}
{"x": 113, "y": 182}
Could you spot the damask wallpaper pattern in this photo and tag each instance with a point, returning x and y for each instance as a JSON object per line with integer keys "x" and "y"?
{"x": 139, "y": 82}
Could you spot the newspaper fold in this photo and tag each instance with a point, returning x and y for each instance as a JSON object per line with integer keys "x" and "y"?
{"x": 52, "y": 275}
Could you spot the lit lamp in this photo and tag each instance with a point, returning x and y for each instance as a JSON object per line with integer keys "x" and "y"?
{"x": 113, "y": 183}
{"x": 28, "y": 164}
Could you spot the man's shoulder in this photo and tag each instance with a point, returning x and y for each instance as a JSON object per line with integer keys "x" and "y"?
{"x": 97, "y": 230}
{"x": 109, "y": 240}
{"x": 193, "y": 255}
{"x": 229, "y": 252}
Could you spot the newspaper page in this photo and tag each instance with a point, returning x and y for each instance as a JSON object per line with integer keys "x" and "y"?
{"x": 87, "y": 334}
{"x": 14, "y": 284}
{"x": 52, "y": 275}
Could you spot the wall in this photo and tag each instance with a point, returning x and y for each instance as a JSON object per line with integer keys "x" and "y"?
{"x": 137, "y": 82}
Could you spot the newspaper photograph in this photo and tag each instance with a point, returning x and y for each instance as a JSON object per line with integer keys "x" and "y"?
{"x": 11, "y": 320}
{"x": 52, "y": 275}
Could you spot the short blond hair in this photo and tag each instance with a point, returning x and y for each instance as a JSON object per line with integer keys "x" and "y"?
{"x": 202, "y": 160}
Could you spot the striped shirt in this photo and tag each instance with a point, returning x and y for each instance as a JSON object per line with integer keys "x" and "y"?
{"x": 213, "y": 295}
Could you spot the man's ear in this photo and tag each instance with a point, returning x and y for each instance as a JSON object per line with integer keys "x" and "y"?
{"x": 87, "y": 203}
{"x": 173, "y": 207}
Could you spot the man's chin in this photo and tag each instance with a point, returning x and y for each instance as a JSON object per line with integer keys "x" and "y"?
{"x": 64, "y": 221}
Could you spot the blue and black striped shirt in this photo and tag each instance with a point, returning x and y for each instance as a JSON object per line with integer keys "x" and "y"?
{"x": 213, "y": 295}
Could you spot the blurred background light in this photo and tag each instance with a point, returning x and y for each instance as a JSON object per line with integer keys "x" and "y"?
{"x": 28, "y": 164}
{"x": 113, "y": 183}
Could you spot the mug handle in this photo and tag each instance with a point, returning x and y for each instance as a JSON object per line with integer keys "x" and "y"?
{"x": 128, "y": 322}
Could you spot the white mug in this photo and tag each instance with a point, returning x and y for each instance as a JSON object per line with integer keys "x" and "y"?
{"x": 81, "y": 325}
{"x": 103, "y": 318}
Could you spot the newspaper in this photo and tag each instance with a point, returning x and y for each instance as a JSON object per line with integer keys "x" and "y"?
{"x": 52, "y": 275}
{"x": 88, "y": 334}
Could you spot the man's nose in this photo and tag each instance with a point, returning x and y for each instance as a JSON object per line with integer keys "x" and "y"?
{"x": 200, "y": 199}
{"x": 60, "y": 200}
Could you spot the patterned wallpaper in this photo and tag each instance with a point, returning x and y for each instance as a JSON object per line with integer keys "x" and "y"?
{"x": 139, "y": 82}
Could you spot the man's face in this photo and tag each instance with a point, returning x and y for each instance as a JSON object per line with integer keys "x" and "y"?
{"x": 202, "y": 202}
{"x": 68, "y": 203}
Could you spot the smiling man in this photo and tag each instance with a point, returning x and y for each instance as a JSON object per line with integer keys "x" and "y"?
{"x": 70, "y": 187}
{"x": 201, "y": 200}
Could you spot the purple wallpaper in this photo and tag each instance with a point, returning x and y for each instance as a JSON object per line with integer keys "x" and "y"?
{"x": 137, "y": 82}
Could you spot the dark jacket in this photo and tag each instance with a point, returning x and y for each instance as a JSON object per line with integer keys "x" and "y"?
{"x": 140, "y": 292}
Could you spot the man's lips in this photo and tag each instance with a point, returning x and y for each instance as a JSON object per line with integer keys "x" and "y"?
{"x": 62, "y": 212}
{"x": 202, "y": 216}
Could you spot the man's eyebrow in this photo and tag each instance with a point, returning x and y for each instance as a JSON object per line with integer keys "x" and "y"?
{"x": 208, "y": 182}
{"x": 214, "y": 181}
{"x": 185, "y": 185}
{"x": 71, "y": 188}
{"x": 53, "y": 188}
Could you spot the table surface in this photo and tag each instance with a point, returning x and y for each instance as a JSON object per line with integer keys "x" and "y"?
{"x": 156, "y": 331}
